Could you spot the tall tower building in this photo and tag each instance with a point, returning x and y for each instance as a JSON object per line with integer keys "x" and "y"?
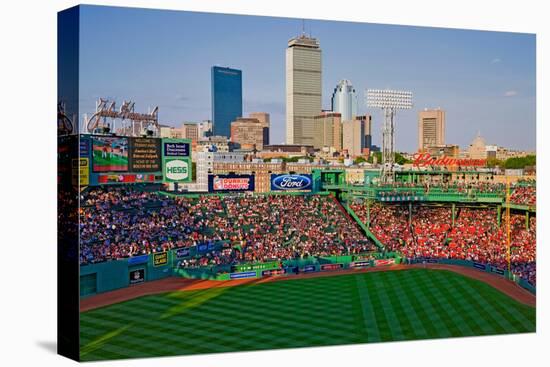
{"x": 367, "y": 119}
{"x": 344, "y": 100}
{"x": 263, "y": 117}
{"x": 190, "y": 131}
{"x": 356, "y": 135}
{"x": 303, "y": 83}
{"x": 227, "y": 98}
{"x": 322, "y": 130}
{"x": 431, "y": 128}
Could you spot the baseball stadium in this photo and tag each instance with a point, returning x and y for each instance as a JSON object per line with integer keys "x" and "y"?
{"x": 313, "y": 261}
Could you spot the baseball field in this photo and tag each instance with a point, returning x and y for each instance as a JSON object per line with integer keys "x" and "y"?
{"x": 114, "y": 163}
{"x": 344, "y": 309}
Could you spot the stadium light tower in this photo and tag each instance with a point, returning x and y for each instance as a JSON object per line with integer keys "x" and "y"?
{"x": 389, "y": 101}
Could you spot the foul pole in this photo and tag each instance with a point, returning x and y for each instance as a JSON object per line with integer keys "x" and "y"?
{"x": 508, "y": 226}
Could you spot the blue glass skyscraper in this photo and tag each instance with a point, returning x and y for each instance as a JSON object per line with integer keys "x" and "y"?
{"x": 344, "y": 100}
{"x": 227, "y": 99}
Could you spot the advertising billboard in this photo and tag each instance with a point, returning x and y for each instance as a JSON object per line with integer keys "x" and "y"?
{"x": 160, "y": 258}
{"x": 144, "y": 155}
{"x": 81, "y": 171}
{"x": 331, "y": 266}
{"x": 84, "y": 149}
{"x": 109, "y": 154}
{"x": 291, "y": 182}
{"x": 136, "y": 276}
{"x": 230, "y": 183}
{"x": 176, "y": 160}
{"x": 125, "y": 178}
{"x": 176, "y": 148}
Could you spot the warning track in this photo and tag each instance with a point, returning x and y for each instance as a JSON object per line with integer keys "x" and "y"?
{"x": 175, "y": 284}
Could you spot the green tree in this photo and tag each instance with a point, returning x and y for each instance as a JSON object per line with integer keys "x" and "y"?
{"x": 399, "y": 159}
{"x": 493, "y": 162}
{"x": 296, "y": 159}
{"x": 378, "y": 156}
{"x": 359, "y": 160}
{"x": 520, "y": 162}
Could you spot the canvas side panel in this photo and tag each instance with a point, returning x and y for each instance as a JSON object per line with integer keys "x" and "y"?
{"x": 67, "y": 183}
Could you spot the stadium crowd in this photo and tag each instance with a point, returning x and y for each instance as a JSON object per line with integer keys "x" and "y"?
{"x": 475, "y": 235}
{"x": 122, "y": 222}
{"x": 524, "y": 195}
{"x": 521, "y": 192}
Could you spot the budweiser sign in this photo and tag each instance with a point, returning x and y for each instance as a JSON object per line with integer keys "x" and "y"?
{"x": 425, "y": 160}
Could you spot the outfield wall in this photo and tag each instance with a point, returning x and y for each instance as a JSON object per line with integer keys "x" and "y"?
{"x": 479, "y": 266}
{"x": 289, "y": 267}
{"x": 110, "y": 275}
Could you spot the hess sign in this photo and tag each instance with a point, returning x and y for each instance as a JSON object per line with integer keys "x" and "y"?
{"x": 176, "y": 170}
{"x": 291, "y": 182}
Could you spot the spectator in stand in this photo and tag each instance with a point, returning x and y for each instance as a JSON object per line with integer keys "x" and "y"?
{"x": 121, "y": 222}
{"x": 524, "y": 195}
{"x": 475, "y": 236}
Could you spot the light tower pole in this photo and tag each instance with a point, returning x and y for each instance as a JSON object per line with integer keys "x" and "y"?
{"x": 389, "y": 101}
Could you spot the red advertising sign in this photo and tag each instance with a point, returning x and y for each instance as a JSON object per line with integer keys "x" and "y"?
{"x": 230, "y": 182}
{"x": 125, "y": 178}
{"x": 425, "y": 160}
{"x": 331, "y": 266}
{"x": 273, "y": 272}
{"x": 384, "y": 262}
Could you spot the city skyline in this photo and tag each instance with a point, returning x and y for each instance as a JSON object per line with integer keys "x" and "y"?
{"x": 227, "y": 98}
{"x": 484, "y": 80}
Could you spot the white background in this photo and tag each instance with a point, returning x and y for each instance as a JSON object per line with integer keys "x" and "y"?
{"x": 28, "y": 181}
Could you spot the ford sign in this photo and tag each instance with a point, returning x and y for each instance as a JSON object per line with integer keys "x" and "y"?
{"x": 291, "y": 182}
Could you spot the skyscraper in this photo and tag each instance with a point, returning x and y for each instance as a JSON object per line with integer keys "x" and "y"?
{"x": 303, "y": 83}
{"x": 249, "y": 133}
{"x": 190, "y": 131}
{"x": 431, "y": 128}
{"x": 322, "y": 130}
{"x": 356, "y": 135}
{"x": 227, "y": 98}
{"x": 344, "y": 100}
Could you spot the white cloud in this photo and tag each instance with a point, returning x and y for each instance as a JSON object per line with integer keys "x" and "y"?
{"x": 510, "y": 93}
{"x": 496, "y": 60}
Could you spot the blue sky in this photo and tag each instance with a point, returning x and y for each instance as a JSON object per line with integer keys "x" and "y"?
{"x": 484, "y": 80}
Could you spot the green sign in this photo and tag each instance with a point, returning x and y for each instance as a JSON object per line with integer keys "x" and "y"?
{"x": 256, "y": 266}
{"x": 176, "y": 160}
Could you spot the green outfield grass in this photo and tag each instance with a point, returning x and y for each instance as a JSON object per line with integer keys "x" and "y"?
{"x": 357, "y": 308}
{"x": 116, "y": 161}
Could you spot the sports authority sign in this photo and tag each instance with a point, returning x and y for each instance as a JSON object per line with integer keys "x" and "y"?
{"x": 426, "y": 160}
{"x": 176, "y": 160}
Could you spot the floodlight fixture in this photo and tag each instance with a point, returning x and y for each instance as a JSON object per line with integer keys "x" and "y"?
{"x": 386, "y": 98}
{"x": 389, "y": 101}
